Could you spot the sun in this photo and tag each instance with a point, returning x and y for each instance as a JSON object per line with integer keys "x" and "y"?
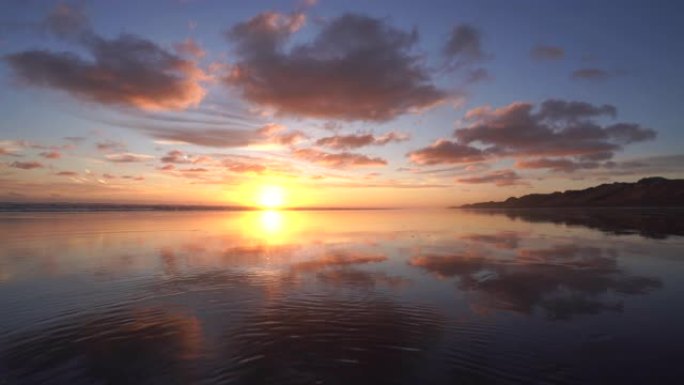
{"x": 271, "y": 197}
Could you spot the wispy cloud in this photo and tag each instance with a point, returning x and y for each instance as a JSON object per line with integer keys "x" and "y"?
{"x": 128, "y": 157}
{"x": 590, "y": 74}
{"x": 547, "y": 52}
{"x": 345, "y": 142}
{"x": 337, "y": 160}
{"x": 499, "y": 178}
{"x": 51, "y": 154}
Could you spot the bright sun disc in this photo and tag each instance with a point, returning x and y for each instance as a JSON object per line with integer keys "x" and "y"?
{"x": 271, "y": 197}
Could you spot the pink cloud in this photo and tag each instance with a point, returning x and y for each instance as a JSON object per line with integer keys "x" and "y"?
{"x": 337, "y": 160}
{"x": 30, "y": 165}
{"x": 128, "y": 157}
{"x": 51, "y": 155}
{"x": 189, "y": 47}
{"x": 239, "y": 167}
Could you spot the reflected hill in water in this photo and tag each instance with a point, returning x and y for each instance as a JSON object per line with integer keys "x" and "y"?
{"x": 651, "y": 207}
{"x": 649, "y": 223}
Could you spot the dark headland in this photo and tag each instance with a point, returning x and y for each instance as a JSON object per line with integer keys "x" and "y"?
{"x": 647, "y": 192}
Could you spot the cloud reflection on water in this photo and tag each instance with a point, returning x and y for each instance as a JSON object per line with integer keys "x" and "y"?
{"x": 292, "y": 297}
{"x": 562, "y": 281}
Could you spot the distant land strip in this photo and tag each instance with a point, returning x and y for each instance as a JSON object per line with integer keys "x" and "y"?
{"x": 647, "y": 192}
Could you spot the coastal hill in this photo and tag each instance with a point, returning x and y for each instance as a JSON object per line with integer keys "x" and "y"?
{"x": 647, "y": 192}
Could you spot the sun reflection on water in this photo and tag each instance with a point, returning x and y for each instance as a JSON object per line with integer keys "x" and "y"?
{"x": 271, "y": 222}
{"x": 273, "y": 227}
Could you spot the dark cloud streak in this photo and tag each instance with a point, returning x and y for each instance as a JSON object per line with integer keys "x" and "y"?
{"x": 344, "y": 142}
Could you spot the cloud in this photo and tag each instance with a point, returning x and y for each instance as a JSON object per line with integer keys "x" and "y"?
{"x": 67, "y": 22}
{"x": 290, "y": 138}
{"x": 243, "y": 168}
{"x": 345, "y": 142}
{"x": 110, "y": 145}
{"x": 473, "y": 76}
{"x": 464, "y": 46}
{"x": 137, "y": 178}
{"x": 15, "y": 147}
{"x": 303, "y": 4}
{"x": 629, "y": 133}
{"x": 547, "y": 52}
{"x": 499, "y": 178}
{"x": 331, "y": 126}
{"x": 462, "y": 51}
{"x": 355, "y": 68}
{"x": 194, "y": 169}
{"x": 218, "y": 138}
{"x": 445, "y": 151}
{"x": 180, "y": 157}
{"x": 74, "y": 139}
{"x": 555, "y": 164}
{"x": 189, "y": 47}
{"x": 51, "y": 154}
{"x": 590, "y": 74}
{"x": 175, "y": 156}
{"x": 67, "y": 173}
{"x": 573, "y": 111}
{"x": 337, "y": 160}
{"x": 30, "y": 165}
{"x": 128, "y": 70}
{"x": 557, "y": 129}
{"x": 651, "y": 164}
{"x": 128, "y": 157}
{"x": 4, "y": 151}
{"x": 271, "y": 129}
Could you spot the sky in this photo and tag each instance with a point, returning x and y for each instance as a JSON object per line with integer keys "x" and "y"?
{"x": 335, "y": 103}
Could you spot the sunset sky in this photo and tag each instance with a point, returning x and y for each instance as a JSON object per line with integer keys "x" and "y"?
{"x": 335, "y": 103}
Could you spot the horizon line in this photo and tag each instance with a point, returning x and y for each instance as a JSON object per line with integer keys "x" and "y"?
{"x": 112, "y": 206}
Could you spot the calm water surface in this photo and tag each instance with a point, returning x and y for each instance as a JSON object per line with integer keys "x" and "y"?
{"x": 346, "y": 297}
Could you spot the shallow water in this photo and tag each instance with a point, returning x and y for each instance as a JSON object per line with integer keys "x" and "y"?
{"x": 343, "y": 297}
